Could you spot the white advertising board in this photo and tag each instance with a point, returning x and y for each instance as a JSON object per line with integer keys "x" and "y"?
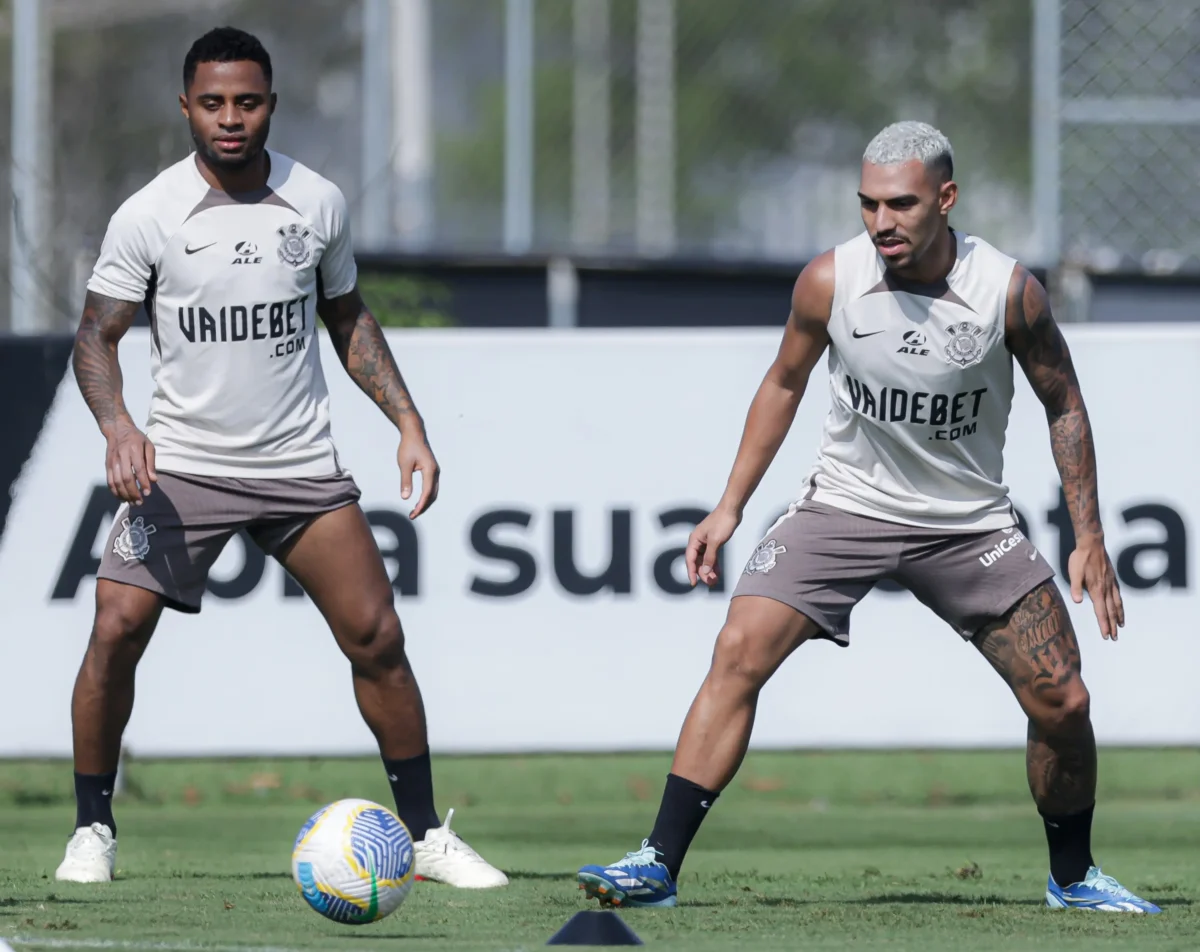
{"x": 529, "y": 629}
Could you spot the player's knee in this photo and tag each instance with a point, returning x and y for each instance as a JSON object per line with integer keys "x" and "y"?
{"x": 377, "y": 647}
{"x": 1066, "y": 711}
{"x": 119, "y": 636}
{"x": 738, "y": 658}
{"x": 1075, "y": 708}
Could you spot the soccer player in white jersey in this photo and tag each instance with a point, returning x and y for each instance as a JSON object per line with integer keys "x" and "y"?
{"x": 236, "y": 251}
{"x": 922, "y": 324}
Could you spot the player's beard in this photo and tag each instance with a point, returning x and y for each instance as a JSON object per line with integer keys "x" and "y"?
{"x": 254, "y": 148}
{"x": 902, "y": 267}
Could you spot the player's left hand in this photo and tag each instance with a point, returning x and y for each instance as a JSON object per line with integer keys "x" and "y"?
{"x": 1089, "y": 568}
{"x": 415, "y": 456}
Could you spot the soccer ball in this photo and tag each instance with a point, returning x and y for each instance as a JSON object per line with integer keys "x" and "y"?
{"x": 353, "y": 861}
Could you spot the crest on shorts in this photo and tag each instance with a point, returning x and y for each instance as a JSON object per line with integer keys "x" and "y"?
{"x": 763, "y": 559}
{"x": 295, "y": 248}
{"x": 133, "y": 543}
{"x": 965, "y": 347}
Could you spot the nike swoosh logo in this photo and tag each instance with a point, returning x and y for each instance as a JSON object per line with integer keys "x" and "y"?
{"x": 192, "y": 251}
{"x": 372, "y": 911}
{"x": 872, "y": 334}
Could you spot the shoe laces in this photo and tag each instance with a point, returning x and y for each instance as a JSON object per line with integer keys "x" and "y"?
{"x": 1109, "y": 885}
{"x": 646, "y": 856}
{"x": 89, "y": 841}
{"x": 451, "y": 842}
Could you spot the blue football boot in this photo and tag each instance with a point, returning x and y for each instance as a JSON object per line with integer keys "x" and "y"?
{"x": 1097, "y": 891}
{"x": 637, "y": 880}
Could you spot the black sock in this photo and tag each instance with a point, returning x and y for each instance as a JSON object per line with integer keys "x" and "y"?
{"x": 93, "y": 800}
{"x": 412, "y": 789}
{"x": 1070, "y": 839}
{"x": 684, "y": 806}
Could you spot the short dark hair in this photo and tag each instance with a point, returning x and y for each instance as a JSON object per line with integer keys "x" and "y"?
{"x": 225, "y": 44}
{"x": 945, "y": 165}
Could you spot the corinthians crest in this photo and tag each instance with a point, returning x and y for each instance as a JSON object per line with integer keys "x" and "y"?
{"x": 763, "y": 559}
{"x": 294, "y": 245}
{"x": 965, "y": 347}
{"x": 134, "y": 540}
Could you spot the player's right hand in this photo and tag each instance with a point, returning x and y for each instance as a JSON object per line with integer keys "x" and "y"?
{"x": 704, "y": 545}
{"x": 130, "y": 464}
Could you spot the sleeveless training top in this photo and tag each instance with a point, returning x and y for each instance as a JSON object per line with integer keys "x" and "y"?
{"x": 921, "y": 384}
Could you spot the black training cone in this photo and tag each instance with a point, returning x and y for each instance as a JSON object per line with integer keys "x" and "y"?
{"x": 595, "y": 928}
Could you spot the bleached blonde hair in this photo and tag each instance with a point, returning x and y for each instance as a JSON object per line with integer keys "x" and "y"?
{"x": 908, "y": 140}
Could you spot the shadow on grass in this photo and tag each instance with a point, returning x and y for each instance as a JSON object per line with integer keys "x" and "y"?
{"x": 191, "y": 874}
{"x": 53, "y": 900}
{"x": 394, "y": 936}
{"x": 912, "y": 899}
{"x": 929, "y": 899}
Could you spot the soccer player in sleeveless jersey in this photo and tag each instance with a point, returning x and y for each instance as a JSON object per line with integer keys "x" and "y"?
{"x": 922, "y": 324}
{"x": 235, "y": 252}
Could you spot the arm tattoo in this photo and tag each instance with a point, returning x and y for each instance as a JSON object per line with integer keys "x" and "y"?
{"x": 94, "y": 358}
{"x": 360, "y": 344}
{"x": 1037, "y": 343}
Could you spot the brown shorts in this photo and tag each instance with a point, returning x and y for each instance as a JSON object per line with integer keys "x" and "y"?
{"x": 822, "y": 562}
{"x": 169, "y": 543}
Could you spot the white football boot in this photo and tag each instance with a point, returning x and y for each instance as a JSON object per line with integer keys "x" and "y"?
{"x": 443, "y": 857}
{"x": 91, "y": 856}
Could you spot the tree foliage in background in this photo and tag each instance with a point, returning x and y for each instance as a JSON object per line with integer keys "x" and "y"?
{"x": 404, "y": 300}
{"x": 761, "y": 87}
{"x": 757, "y": 84}
{"x": 117, "y": 123}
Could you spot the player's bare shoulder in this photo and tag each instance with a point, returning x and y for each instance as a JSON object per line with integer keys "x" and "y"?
{"x": 1035, "y": 340}
{"x": 806, "y": 336}
{"x": 812, "y": 294}
{"x": 1026, "y": 309}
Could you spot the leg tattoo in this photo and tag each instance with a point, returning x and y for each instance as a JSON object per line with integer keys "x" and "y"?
{"x": 1035, "y": 651}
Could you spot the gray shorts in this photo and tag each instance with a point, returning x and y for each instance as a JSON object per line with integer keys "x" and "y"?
{"x": 822, "y": 561}
{"x": 169, "y": 543}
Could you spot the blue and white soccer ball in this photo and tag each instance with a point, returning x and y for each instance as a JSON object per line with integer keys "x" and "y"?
{"x": 353, "y": 861}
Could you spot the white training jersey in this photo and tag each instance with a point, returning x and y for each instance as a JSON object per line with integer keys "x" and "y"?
{"x": 921, "y": 383}
{"x": 230, "y": 284}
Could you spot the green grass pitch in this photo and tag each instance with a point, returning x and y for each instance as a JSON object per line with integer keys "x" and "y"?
{"x": 898, "y": 850}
